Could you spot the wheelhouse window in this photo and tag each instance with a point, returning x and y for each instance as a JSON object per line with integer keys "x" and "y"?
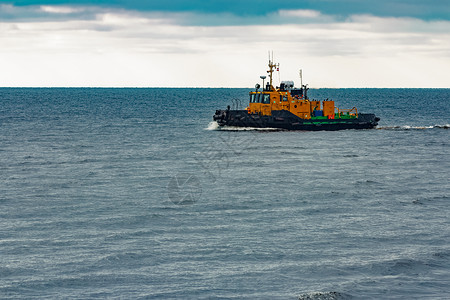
{"x": 252, "y": 98}
{"x": 266, "y": 99}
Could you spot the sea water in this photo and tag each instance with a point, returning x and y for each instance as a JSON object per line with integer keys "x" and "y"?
{"x": 135, "y": 193}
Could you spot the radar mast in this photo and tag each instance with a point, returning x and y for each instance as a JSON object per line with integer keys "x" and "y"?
{"x": 272, "y": 66}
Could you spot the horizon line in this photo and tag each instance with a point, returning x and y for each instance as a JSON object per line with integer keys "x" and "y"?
{"x": 193, "y": 87}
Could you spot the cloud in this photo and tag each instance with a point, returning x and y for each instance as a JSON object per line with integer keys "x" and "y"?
{"x": 60, "y": 9}
{"x": 300, "y": 13}
{"x": 98, "y": 46}
{"x": 43, "y": 13}
{"x": 419, "y": 9}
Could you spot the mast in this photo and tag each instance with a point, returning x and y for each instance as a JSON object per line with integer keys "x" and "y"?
{"x": 301, "y": 77}
{"x": 272, "y": 65}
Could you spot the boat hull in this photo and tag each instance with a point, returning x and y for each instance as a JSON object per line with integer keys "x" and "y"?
{"x": 288, "y": 121}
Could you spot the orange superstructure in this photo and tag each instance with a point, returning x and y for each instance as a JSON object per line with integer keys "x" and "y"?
{"x": 287, "y": 97}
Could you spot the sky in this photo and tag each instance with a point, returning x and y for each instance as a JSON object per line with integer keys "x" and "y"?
{"x": 224, "y": 43}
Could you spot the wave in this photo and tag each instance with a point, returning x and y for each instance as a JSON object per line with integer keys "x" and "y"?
{"x": 214, "y": 126}
{"x": 408, "y": 127}
{"x": 324, "y": 296}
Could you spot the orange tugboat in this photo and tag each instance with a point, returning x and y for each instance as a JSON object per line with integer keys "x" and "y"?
{"x": 287, "y": 107}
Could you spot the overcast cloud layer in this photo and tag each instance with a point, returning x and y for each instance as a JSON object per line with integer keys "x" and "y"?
{"x": 139, "y": 43}
{"x": 428, "y": 10}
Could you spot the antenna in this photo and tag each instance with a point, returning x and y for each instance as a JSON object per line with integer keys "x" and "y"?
{"x": 270, "y": 56}
{"x": 272, "y": 65}
{"x": 301, "y": 78}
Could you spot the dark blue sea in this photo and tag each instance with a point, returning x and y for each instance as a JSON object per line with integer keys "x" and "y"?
{"x": 134, "y": 193}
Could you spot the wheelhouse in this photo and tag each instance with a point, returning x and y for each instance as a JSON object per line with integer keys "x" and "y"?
{"x": 295, "y": 100}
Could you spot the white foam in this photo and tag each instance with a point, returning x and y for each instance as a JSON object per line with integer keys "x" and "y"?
{"x": 409, "y": 127}
{"x": 446, "y": 126}
{"x": 213, "y": 126}
{"x": 236, "y": 128}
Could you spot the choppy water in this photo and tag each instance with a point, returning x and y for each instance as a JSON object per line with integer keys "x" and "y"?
{"x": 131, "y": 193}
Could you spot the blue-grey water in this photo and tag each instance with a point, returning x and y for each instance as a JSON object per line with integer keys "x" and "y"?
{"x": 130, "y": 193}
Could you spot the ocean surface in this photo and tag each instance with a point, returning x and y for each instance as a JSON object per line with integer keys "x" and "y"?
{"x": 135, "y": 193}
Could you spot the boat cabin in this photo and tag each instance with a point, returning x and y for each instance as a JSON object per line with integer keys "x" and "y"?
{"x": 295, "y": 100}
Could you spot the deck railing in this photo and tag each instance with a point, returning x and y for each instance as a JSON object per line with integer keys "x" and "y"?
{"x": 351, "y": 112}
